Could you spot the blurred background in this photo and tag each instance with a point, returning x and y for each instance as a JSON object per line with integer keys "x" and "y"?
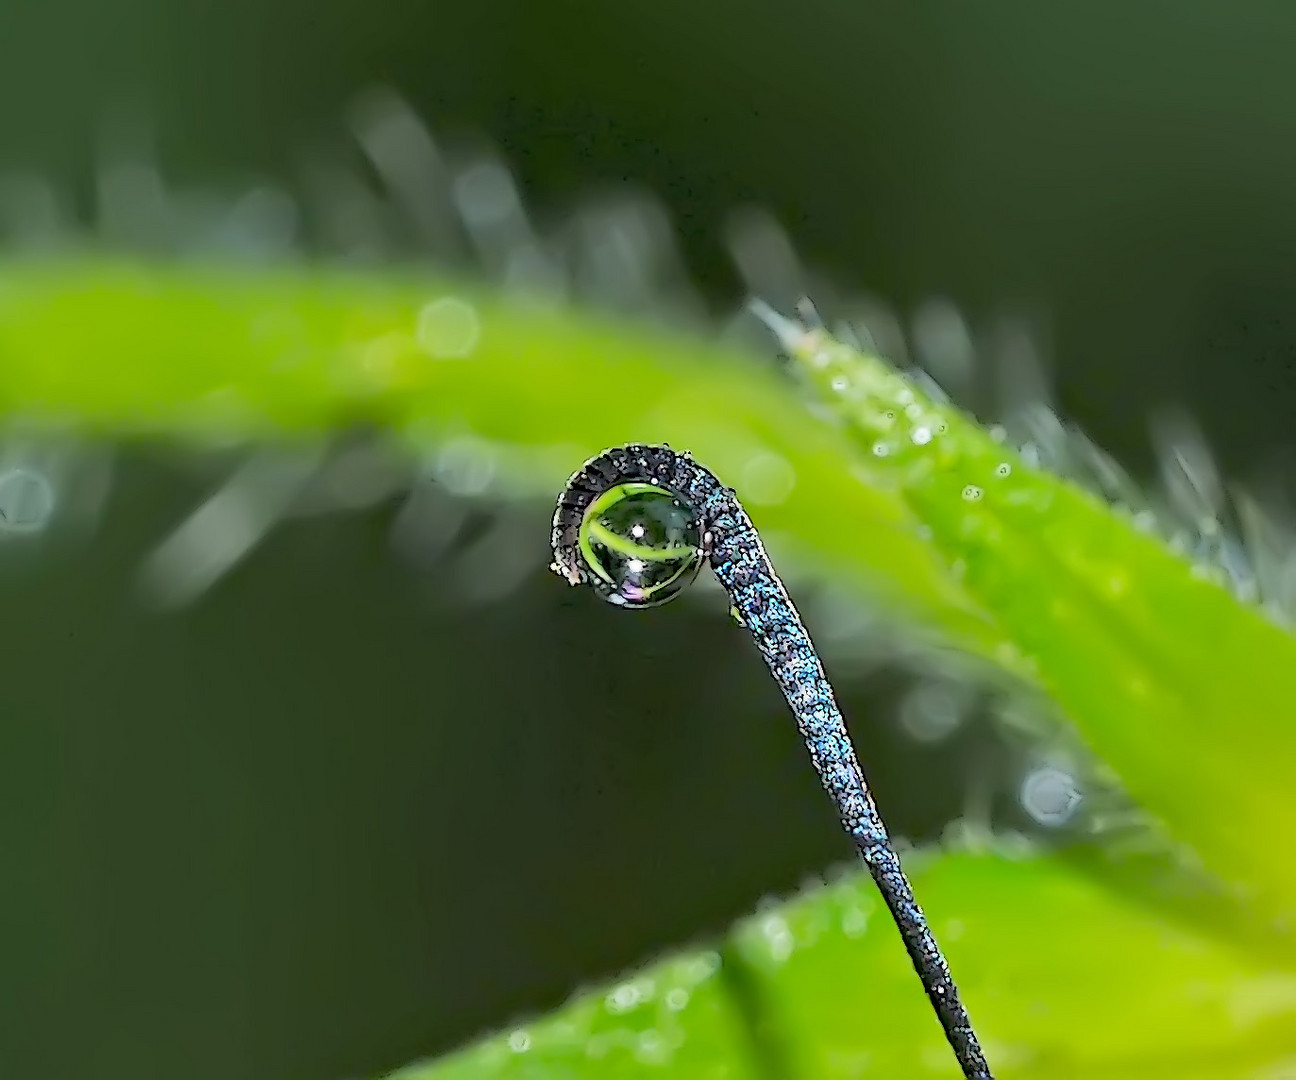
{"x": 347, "y": 809}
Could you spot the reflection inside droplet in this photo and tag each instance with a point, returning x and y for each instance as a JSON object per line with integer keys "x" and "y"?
{"x": 643, "y": 544}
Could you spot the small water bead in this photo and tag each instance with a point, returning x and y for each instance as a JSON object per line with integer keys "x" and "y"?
{"x": 676, "y": 998}
{"x": 972, "y": 493}
{"x": 768, "y": 479}
{"x": 921, "y": 436}
{"x": 623, "y": 998}
{"x": 642, "y": 543}
{"x": 26, "y": 500}
{"x": 1050, "y": 795}
{"x": 448, "y": 328}
{"x": 1003, "y": 469}
{"x": 778, "y": 937}
{"x": 881, "y": 449}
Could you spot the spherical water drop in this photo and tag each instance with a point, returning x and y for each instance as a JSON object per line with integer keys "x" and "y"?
{"x": 26, "y": 500}
{"x": 767, "y": 479}
{"x": 642, "y": 543}
{"x": 778, "y": 936}
{"x": 448, "y": 328}
{"x": 921, "y": 436}
{"x": 676, "y": 998}
{"x": 623, "y": 998}
{"x": 971, "y": 493}
{"x": 1050, "y": 795}
{"x": 1003, "y": 469}
{"x": 931, "y": 711}
{"x": 881, "y": 449}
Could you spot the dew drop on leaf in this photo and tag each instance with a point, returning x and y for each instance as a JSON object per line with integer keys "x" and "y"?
{"x": 26, "y": 500}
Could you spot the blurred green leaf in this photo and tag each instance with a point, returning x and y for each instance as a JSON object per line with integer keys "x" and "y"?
{"x": 1182, "y": 689}
{"x": 1064, "y": 980}
{"x": 224, "y": 354}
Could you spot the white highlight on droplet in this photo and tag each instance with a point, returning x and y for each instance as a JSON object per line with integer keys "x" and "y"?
{"x": 448, "y": 328}
{"x": 1050, "y": 795}
{"x": 921, "y": 436}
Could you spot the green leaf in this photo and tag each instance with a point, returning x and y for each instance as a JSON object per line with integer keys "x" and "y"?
{"x": 1181, "y": 688}
{"x": 1152, "y": 660}
{"x": 188, "y": 352}
{"x": 1063, "y": 980}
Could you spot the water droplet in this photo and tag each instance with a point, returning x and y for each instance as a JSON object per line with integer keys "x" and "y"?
{"x": 931, "y": 711}
{"x": 466, "y": 466}
{"x": 519, "y": 1041}
{"x": 840, "y": 383}
{"x": 448, "y": 328}
{"x": 881, "y": 449}
{"x": 703, "y": 967}
{"x": 854, "y": 921}
{"x": 651, "y": 1048}
{"x": 623, "y": 998}
{"x": 921, "y": 436}
{"x": 1050, "y": 795}
{"x": 642, "y": 544}
{"x": 26, "y": 501}
{"x": 676, "y": 998}
{"x": 767, "y": 479}
{"x": 778, "y": 936}
{"x": 972, "y": 493}
{"x": 1003, "y": 469}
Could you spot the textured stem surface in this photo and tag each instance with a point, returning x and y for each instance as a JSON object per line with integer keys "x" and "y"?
{"x": 761, "y": 602}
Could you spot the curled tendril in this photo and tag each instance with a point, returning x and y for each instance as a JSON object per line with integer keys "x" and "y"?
{"x": 635, "y": 524}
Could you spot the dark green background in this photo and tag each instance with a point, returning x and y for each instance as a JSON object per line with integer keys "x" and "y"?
{"x": 328, "y": 819}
